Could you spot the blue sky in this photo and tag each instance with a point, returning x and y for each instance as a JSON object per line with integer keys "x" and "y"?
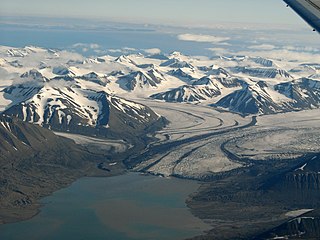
{"x": 275, "y": 28}
{"x": 193, "y": 12}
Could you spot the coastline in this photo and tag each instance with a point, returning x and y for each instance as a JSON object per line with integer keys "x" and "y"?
{"x": 19, "y": 214}
{"x": 140, "y": 201}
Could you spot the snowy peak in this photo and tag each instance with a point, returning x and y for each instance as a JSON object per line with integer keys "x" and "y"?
{"x": 271, "y": 73}
{"x": 3, "y": 62}
{"x": 252, "y": 99}
{"x": 264, "y": 62}
{"x": 15, "y": 63}
{"x": 305, "y": 93}
{"x": 125, "y": 60}
{"x": 56, "y": 106}
{"x": 156, "y": 75}
{"x": 215, "y": 70}
{"x": 63, "y": 71}
{"x": 67, "y": 106}
{"x": 264, "y": 99}
{"x": 13, "y": 52}
{"x": 213, "y": 80}
{"x": 95, "y": 78}
{"x": 175, "y": 54}
{"x": 97, "y": 60}
{"x": 207, "y": 80}
{"x": 311, "y": 70}
{"x": 178, "y": 56}
{"x": 35, "y": 75}
{"x": 187, "y": 93}
{"x": 203, "y": 89}
{"x": 21, "y": 92}
{"x": 158, "y": 56}
{"x": 183, "y": 74}
{"x": 245, "y": 84}
{"x": 23, "y": 52}
{"x": 141, "y": 79}
{"x": 176, "y": 63}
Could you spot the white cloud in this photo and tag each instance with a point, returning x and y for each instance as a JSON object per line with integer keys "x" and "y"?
{"x": 129, "y": 49}
{"x": 124, "y": 50}
{"x": 94, "y": 46}
{"x": 115, "y": 50}
{"x": 302, "y": 49}
{"x": 99, "y": 51}
{"x": 86, "y": 45}
{"x": 78, "y": 45}
{"x": 284, "y": 54}
{"x": 218, "y": 51}
{"x": 202, "y": 38}
{"x": 66, "y": 56}
{"x": 152, "y": 50}
{"x": 263, "y": 47}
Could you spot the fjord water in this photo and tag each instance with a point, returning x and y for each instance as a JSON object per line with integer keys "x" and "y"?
{"x": 124, "y": 207}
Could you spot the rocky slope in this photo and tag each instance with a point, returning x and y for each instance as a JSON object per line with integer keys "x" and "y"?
{"x": 34, "y": 162}
{"x": 66, "y": 105}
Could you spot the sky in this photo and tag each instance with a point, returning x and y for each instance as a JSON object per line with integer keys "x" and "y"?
{"x": 175, "y": 12}
{"x": 195, "y": 27}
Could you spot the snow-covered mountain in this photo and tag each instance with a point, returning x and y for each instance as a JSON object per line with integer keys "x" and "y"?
{"x": 264, "y": 62}
{"x": 22, "y": 140}
{"x": 141, "y": 79}
{"x": 264, "y": 99}
{"x": 304, "y": 69}
{"x": 68, "y": 106}
{"x": 158, "y": 56}
{"x": 188, "y": 93}
{"x": 94, "y": 77}
{"x": 264, "y": 72}
{"x": 184, "y": 74}
{"x": 218, "y": 71}
{"x": 304, "y": 93}
{"x": 35, "y": 161}
{"x": 176, "y": 63}
{"x": 34, "y": 74}
{"x": 203, "y": 89}
{"x": 252, "y": 99}
{"x": 50, "y": 86}
{"x": 125, "y": 60}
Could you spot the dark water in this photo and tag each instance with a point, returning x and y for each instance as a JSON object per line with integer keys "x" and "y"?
{"x": 117, "y": 208}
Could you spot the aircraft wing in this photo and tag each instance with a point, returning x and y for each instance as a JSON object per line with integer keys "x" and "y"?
{"x": 309, "y": 10}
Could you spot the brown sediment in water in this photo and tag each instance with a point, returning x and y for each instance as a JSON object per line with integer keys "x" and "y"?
{"x": 11, "y": 213}
{"x": 144, "y": 207}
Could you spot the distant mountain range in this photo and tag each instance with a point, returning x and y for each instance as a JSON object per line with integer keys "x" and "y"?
{"x": 65, "y": 91}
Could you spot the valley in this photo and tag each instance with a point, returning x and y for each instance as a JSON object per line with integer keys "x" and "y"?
{"x": 247, "y": 128}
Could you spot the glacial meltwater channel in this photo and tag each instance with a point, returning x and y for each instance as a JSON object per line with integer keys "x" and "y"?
{"x": 124, "y": 207}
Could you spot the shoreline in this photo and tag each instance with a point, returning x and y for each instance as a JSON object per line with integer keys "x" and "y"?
{"x": 20, "y": 214}
{"x": 35, "y": 208}
{"x": 32, "y": 179}
{"x": 149, "y": 182}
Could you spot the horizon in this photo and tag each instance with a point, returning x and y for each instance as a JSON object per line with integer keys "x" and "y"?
{"x": 202, "y": 13}
{"x": 149, "y": 119}
{"x": 53, "y": 25}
